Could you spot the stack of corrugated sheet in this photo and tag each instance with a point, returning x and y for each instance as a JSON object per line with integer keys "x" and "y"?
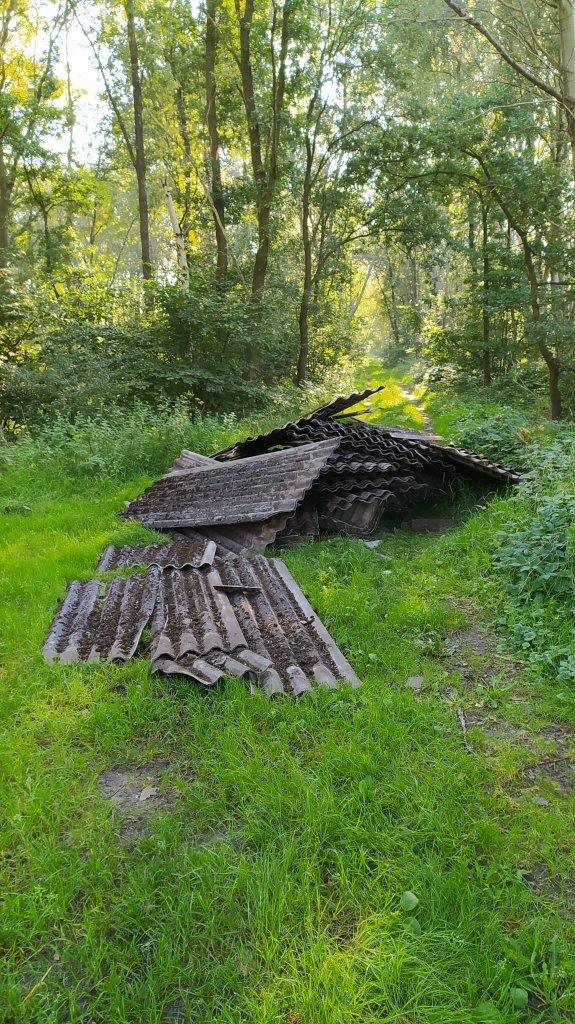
{"x": 207, "y": 617}
{"x": 214, "y": 607}
{"x": 327, "y": 472}
{"x": 243, "y": 504}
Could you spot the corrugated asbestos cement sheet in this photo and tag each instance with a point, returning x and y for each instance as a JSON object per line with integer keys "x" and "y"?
{"x": 252, "y": 445}
{"x": 250, "y": 490}
{"x": 370, "y": 441}
{"x": 246, "y": 617}
{"x": 198, "y": 553}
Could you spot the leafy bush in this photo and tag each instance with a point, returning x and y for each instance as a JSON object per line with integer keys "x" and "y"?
{"x": 84, "y": 369}
{"x": 552, "y": 463}
{"x": 503, "y": 434}
{"x": 121, "y": 443}
{"x": 536, "y": 560}
{"x": 539, "y": 560}
{"x": 216, "y": 350}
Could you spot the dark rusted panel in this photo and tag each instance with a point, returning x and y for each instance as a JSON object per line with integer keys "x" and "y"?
{"x": 263, "y": 442}
{"x": 479, "y": 464}
{"x": 304, "y": 523}
{"x": 250, "y": 490}
{"x": 374, "y": 442}
{"x": 342, "y": 402}
{"x": 247, "y": 616}
{"x": 238, "y": 537}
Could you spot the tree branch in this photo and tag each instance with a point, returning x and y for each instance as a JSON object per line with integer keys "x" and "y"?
{"x": 508, "y": 57}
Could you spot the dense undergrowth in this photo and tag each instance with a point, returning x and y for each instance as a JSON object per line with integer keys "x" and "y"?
{"x": 119, "y": 443}
{"x": 530, "y": 532}
{"x": 346, "y": 858}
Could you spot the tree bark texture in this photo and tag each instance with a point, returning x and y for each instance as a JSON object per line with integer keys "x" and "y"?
{"x": 486, "y": 318}
{"x": 566, "y": 12}
{"x": 303, "y": 319}
{"x": 265, "y": 172}
{"x": 139, "y": 149}
{"x": 183, "y": 270}
{"x": 215, "y": 170}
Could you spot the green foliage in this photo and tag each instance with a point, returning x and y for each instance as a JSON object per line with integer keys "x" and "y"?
{"x": 504, "y": 434}
{"x": 190, "y": 348}
{"x": 532, "y": 550}
{"x": 117, "y": 443}
{"x": 539, "y": 560}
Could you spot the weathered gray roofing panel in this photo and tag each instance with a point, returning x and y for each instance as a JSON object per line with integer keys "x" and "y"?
{"x": 238, "y": 537}
{"x": 198, "y": 553}
{"x": 246, "y": 617}
{"x": 188, "y": 460}
{"x": 102, "y": 622}
{"x": 246, "y": 491}
{"x": 285, "y": 644}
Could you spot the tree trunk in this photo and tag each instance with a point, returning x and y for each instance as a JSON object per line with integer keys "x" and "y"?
{"x": 218, "y": 205}
{"x": 139, "y": 150}
{"x": 307, "y": 273}
{"x": 187, "y": 169}
{"x": 487, "y": 375}
{"x": 551, "y": 360}
{"x": 4, "y": 228}
{"x": 183, "y": 270}
{"x": 566, "y": 12}
{"x": 264, "y": 173}
{"x": 5, "y": 209}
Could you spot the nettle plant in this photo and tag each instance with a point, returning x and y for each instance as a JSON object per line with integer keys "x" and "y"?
{"x": 537, "y": 562}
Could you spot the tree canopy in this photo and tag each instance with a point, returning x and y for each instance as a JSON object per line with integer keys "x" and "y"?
{"x": 272, "y": 188}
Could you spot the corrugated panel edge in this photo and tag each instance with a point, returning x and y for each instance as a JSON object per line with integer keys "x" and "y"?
{"x": 342, "y": 663}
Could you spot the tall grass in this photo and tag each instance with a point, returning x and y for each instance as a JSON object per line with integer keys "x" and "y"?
{"x": 144, "y": 440}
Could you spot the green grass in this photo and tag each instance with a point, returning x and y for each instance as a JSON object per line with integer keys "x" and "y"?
{"x": 324, "y": 811}
{"x": 391, "y": 405}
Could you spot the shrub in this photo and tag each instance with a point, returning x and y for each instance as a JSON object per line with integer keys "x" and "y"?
{"x": 536, "y": 561}
{"x": 122, "y": 443}
{"x": 539, "y": 560}
{"x": 502, "y": 434}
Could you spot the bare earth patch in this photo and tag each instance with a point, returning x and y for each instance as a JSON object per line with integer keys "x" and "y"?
{"x": 549, "y": 750}
{"x": 136, "y": 792}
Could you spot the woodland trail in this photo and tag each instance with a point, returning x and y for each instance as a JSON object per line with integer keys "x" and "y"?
{"x": 417, "y": 402}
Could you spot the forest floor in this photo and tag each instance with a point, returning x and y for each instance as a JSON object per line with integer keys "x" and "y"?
{"x": 399, "y": 853}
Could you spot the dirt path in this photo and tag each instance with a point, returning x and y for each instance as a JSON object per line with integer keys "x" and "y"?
{"x": 428, "y": 425}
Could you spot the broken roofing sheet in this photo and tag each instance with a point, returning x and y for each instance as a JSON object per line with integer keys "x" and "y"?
{"x": 318, "y": 474}
{"x": 369, "y": 440}
{"x": 242, "y": 617}
{"x": 250, "y": 490}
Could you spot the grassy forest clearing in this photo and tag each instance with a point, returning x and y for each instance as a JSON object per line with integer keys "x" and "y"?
{"x": 213, "y": 217}
{"x": 271, "y": 877}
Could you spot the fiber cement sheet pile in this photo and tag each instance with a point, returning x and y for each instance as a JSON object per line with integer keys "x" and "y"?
{"x": 207, "y": 617}
{"x": 325, "y": 473}
{"x": 207, "y": 603}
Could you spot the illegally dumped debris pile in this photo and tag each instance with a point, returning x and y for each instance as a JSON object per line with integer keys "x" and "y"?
{"x": 207, "y": 618}
{"x": 207, "y": 603}
{"x": 325, "y": 473}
